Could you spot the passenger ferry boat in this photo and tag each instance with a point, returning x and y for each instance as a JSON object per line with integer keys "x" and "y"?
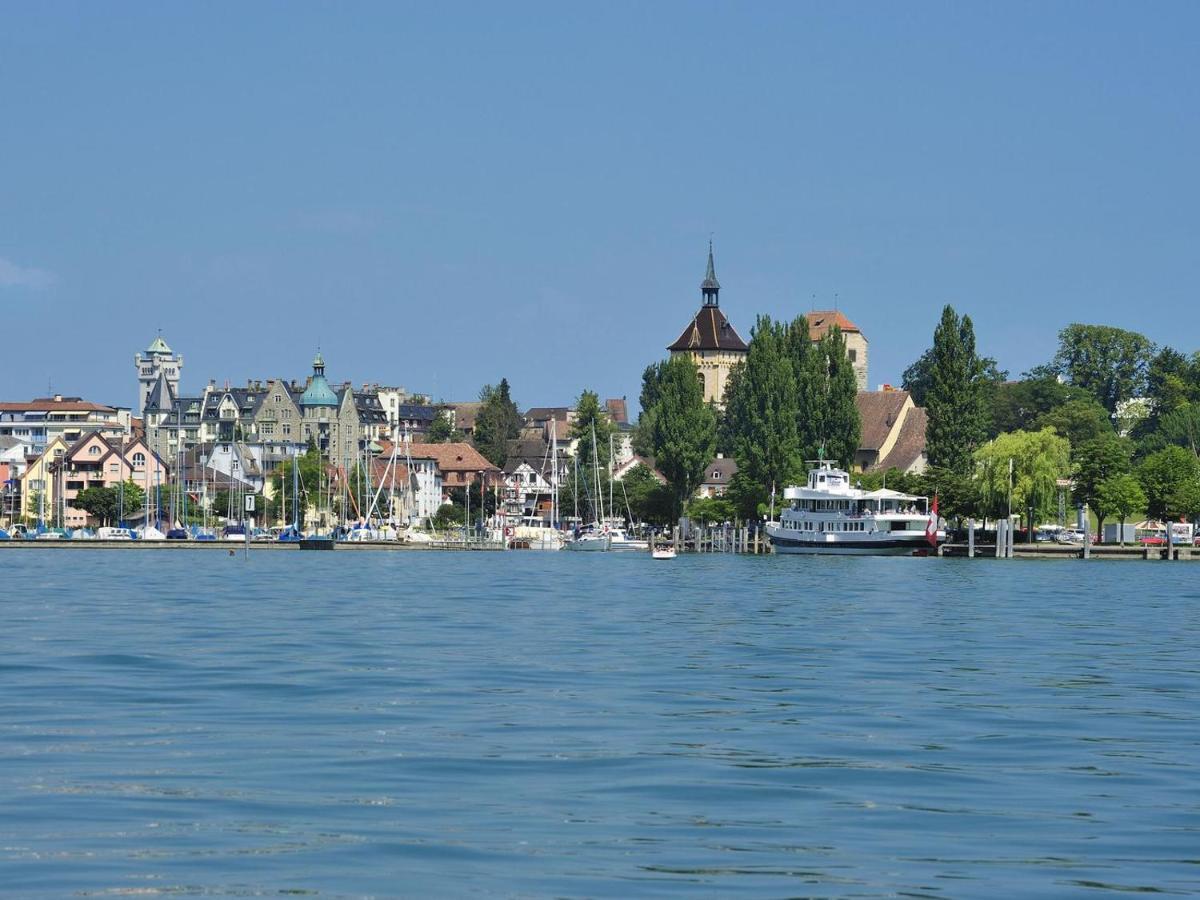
{"x": 830, "y": 515}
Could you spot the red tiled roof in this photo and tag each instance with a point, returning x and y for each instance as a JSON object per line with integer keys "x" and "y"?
{"x": 618, "y": 410}
{"x": 455, "y": 457}
{"x": 49, "y": 404}
{"x": 821, "y": 320}
{"x": 709, "y": 330}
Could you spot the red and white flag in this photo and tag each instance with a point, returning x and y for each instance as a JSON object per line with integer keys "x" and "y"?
{"x": 931, "y": 529}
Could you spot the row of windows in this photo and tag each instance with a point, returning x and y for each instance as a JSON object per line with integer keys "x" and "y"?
{"x": 832, "y": 526}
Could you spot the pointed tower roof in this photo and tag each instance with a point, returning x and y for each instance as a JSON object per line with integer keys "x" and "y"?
{"x": 161, "y": 396}
{"x": 158, "y": 346}
{"x": 710, "y": 282}
{"x": 710, "y": 287}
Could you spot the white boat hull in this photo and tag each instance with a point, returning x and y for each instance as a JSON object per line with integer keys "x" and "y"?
{"x": 592, "y": 543}
{"x": 878, "y": 544}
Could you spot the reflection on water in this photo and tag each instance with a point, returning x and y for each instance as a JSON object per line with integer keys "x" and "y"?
{"x": 596, "y": 725}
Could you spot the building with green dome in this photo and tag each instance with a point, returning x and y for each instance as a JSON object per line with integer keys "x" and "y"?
{"x": 155, "y": 361}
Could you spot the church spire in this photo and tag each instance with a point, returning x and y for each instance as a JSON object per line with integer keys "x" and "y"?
{"x": 710, "y": 287}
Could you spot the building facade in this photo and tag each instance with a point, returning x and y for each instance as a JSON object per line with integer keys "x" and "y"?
{"x": 819, "y": 323}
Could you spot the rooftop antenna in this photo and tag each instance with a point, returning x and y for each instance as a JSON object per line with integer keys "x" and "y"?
{"x": 835, "y": 302}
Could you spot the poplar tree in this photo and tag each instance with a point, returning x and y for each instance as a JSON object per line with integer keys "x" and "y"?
{"x": 955, "y": 400}
{"x": 683, "y": 429}
{"x": 842, "y": 425}
{"x": 761, "y": 411}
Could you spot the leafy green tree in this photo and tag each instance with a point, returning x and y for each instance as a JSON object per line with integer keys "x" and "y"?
{"x": 1110, "y": 363}
{"x": 1094, "y": 462}
{"x": 1181, "y": 427}
{"x": 1039, "y": 460}
{"x": 1122, "y": 495}
{"x": 1018, "y": 405}
{"x": 761, "y": 410}
{"x": 959, "y": 496}
{"x": 1079, "y": 420}
{"x": 309, "y": 468}
{"x": 1172, "y": 381}
{"x": 1168, "y": 477}
{"x": 707, "y": 510}
{"x": 449, "y": 515}
{"x": 649, "y": 499}
{"x": 130, "y": 498}
{"x": 98, "y": 502}
{"x": 441, "y": 430}
{"x": 955, "y": 402}
{"x": 497, "y": 422}
{"x": 683, "y": 429}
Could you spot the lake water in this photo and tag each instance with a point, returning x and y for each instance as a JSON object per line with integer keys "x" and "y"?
{"x": 570, "y": 725}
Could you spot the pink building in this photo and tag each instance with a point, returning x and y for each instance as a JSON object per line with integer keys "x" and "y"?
{"x": 98, "y": 461}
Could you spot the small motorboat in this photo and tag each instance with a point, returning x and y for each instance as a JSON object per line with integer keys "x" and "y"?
{"x": 114, "y": 534}
{"x": 665, "y": 551}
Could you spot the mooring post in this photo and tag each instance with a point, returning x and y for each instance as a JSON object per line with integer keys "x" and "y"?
{"x": 971, "y": 539}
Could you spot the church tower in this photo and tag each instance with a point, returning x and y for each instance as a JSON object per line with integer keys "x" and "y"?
{"x": 156, "y": 360}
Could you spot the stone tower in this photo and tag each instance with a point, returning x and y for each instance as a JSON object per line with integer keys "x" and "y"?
{"x": 155, "y": 360}
{"x": 710, "y": 341}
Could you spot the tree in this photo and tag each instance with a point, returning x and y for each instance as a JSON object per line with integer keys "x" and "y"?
{"x": 1169, "y": 478}
{"x": 497, "y": 422}
{"x": 761, "y": 410}
{"x": 309, "y": 469}
{"x": 1122, "y": 495}
{"x": 955, "y": 401}
{"x": 98, "y": 502}
{"x": 643, "y": 441}
{"x": 707, "y": 510}
{"x": 1039, "y": 460}
{"x": 683, "y": 429}
{"x": 1017, "y": 405}
{"x": 649, "y": 499}
{"x": 1181, "y": 427}
{"x": 1079, "y": 420}
{"x": 1095, "y": 462}
{"x": 918, "y": 377}
{"x": 1110, "y": 363}
{"x": 448, "y": 514}
{"x": 841, "y": 425}
{"x": 441, "y": 429}
{"x": 591, "y": 419}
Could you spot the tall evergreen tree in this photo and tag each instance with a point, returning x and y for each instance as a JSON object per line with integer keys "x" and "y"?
{"x": 955, "y": 398}
{"x": 842, "y": 425}
{"x": 684, "y": 429}
{"x": 643, "y": 433}
{"x": 497, "y": 422}
{"x": 761, "y": 409}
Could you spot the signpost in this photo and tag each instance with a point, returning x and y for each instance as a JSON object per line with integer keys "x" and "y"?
{"x": 246, "y": 521}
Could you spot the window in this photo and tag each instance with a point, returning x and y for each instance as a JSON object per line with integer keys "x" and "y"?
{"x": 268, "y": 427}
{"x": 853, "y": 354}
{"x": 287, "y": 429}
{"x": 287, "y": 413}
{"x": 94, "y": 450}
{"x": 277, "y": 398}
{"x": 716, "y": 476}
{"x": 114, "y": 467}
{"x": 139, "y": 460}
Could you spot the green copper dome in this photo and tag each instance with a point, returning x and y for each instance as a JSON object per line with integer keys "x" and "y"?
{"x": 158, "y": 346}
{"x": 318, "y": 392}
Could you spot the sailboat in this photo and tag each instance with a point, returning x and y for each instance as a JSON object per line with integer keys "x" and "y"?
{"x": 595, "y": 537}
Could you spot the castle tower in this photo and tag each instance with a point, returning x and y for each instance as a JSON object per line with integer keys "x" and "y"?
{"x": 710, "y": 341}
{"x": 156, "y": 360}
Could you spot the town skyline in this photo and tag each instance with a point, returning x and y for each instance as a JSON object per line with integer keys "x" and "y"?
{"x": 430, "y": 206}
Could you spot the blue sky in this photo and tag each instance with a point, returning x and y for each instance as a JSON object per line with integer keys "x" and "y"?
{"x": 442, "y": 195}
